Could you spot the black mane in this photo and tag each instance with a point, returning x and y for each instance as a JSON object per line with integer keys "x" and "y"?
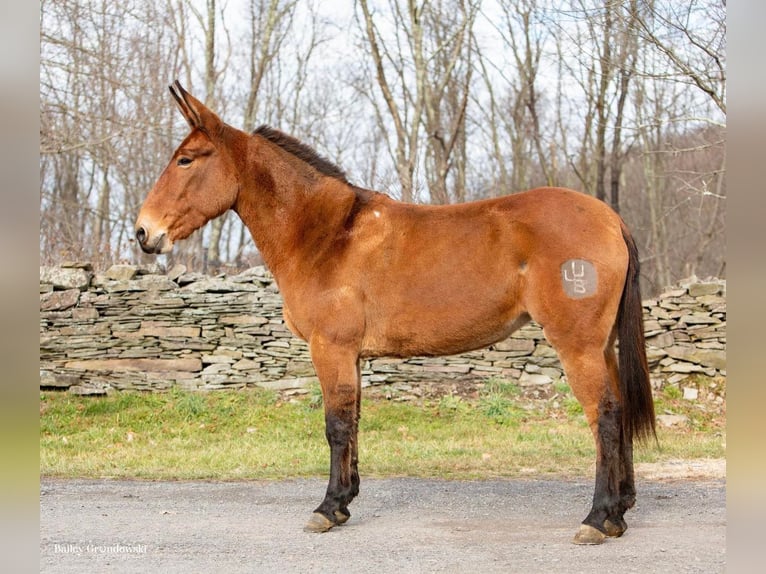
{"x": 301, "y": 151}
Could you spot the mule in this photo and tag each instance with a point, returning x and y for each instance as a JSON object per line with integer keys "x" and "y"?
{"x": 363, "y": 275}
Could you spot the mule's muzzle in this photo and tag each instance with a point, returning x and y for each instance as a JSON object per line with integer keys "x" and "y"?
{"x": 153, "y": 245}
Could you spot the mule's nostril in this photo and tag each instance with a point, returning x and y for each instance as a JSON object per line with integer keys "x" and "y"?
{"x": 141, "y": 235}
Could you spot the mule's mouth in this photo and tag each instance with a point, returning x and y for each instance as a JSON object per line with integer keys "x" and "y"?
{"x": 153, "y": 245}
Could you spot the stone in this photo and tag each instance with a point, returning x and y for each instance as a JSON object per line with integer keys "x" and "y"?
{"x": 702, "y": 332}
{"x": 122, "y": 286}
{"x": 246, "y": 365}
{"x": 242, "y": 320}
{"x": 299, "y": 368}
{"x": 145, "y": 283}
{"x": 661, "y": 340}
{"x": 455, "y": 369}
{"x": 534, "y": 379}
{"x": 66, "y": 278}
{"x": 681, "y": 367}
{"x": 258, "y": 273}
{"x": 121, "y": 272}
{"x": 89, "y": 329}
{"x": 232, "y": 353}
{"x": 215, "y": 368}
{"x": 652, "y": 327}
{"x": 151, "y": 269}
{"x": 216, "y": 359}
{"x": 57, "y": 380}
{"x": 677, "y": 378}
{"x": 715, "y": 358}
{"x": 526, "y": 346}
{"x": 176, "y": 271}
{"x": 294, "y": 383}
{"x": 691, "y": 393}
{"x": 219, "y": 286}
{"x": 86, "y": 265}
{"x": 714, "y": 302}
{"x": 552, "y": 372}
{"x": 667, "y": 420}
{"x": 136, "y": 365}
{"x": 699, "y": 289}
{"x": 673, "y": 293}
{"x": 698, "y": 319}
{"x": 277, "y": 344}
{"x": 710, "y": 345}
{"x": 84, "y": 314}
{"x": 189, "y": 278}
{"x": 87, "y": 390}
{"x": 152, "y": 329}
{"x": 156, "y": 283}
{"x": 542, "y": 349}
{"x": 659, "y": 313}
{"x": 59, "y": 300}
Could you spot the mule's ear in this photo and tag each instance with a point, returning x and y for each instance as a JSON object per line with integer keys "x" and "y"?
{"x": 195, "y": 112}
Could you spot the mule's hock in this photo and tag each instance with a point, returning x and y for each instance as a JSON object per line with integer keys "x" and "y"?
{"x": 139, "y": 327}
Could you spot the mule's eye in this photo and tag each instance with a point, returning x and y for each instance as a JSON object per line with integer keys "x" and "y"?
{"x": 184, "y": 161}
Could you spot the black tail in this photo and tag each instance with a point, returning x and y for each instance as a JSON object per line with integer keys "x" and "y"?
{"x": 635, "y": 387}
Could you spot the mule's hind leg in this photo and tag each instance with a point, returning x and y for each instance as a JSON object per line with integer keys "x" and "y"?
{"x": 590, "y": 379}
{"x": 615, "y": 525}
{"x": 338, "y": 370}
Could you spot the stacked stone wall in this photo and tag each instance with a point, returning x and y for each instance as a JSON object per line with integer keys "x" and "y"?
{"x": 142, "y": 328}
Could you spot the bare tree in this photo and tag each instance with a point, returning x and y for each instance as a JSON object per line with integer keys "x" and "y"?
{"x": 422, "y": 69}
{"x": 516, "y": 111}
{"x": 444, "y": 69}
{"x": 525, "y": 41}
{"x": 270, "y": 22}
{"x": 405, "y": 110}
{"x": 211, "y": 73}
{"x": 691, "y": 35}
{"x": 95, "y": 105}
{"x": 608, "y": 46}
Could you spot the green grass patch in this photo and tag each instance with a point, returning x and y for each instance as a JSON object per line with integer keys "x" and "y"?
{"x": 255, "y": 434}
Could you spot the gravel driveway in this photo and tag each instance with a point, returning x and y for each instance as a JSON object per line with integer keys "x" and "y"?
{"x": 398, "y": 525}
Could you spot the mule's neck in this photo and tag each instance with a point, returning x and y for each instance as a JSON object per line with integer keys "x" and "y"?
{"x": 292, "y": 211}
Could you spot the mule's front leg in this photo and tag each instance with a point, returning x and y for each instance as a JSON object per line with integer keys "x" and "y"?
{"x": 339, "y": 376}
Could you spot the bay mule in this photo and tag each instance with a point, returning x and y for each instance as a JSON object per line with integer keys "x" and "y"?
{"x": 363, "y": 275}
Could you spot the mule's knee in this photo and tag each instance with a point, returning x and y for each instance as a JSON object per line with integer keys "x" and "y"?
{"x": 338, "y": 430}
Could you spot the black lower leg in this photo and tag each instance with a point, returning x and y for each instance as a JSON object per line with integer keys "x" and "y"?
{"x": 607, "y": 495}
{"x": 627, "y": 487}
{"x": 344, "y": 477}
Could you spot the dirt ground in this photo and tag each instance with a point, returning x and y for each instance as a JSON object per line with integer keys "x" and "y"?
{"x": 398, "y": 525}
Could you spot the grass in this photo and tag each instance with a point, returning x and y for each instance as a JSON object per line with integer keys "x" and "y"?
{"x": 255, "y": 434}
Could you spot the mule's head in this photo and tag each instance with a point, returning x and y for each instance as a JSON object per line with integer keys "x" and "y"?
{"x": 200, "y": 183}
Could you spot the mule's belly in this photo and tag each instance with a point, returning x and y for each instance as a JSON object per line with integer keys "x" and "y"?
{"x": 427, "y": 343}
{"x": 434, "y": 326}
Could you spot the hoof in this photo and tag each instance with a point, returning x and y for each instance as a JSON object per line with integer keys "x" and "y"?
{"x": 318, "y": 523}
{"x": 588, "y": 535}
{"x": 341, "y": 517}
{"x": 615, "y": 530}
